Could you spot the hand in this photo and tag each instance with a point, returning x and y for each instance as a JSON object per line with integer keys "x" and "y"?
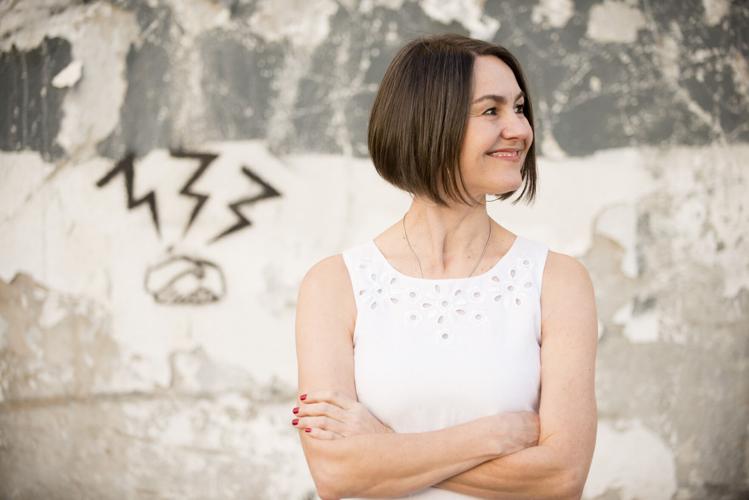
{"x": 518, "y": 430}
{"x": 334, "y": 415}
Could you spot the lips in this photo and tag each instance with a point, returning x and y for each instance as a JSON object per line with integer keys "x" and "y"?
{"x": 505, "y": 153}
{"x": 509, "y": 150}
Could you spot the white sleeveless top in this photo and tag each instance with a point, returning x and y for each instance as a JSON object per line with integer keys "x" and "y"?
{"x": 433, "y": 353}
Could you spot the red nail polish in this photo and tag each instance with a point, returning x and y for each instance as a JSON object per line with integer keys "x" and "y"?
{"x": 303, "y": 397}
{"x": 307, "y": 430}
{"x": 295, "y": 421}
{"x": 295, "y": 410}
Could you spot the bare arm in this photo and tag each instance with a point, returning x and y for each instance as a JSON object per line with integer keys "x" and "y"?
{"x": 558, "y": 466}
{"x": 385, "y": 464}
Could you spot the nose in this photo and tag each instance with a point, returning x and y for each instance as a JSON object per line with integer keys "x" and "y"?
{"x": 516, "y": 127}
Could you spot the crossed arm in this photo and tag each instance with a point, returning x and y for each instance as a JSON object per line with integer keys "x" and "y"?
{"x": 391, "y": 464}
{"x": 467, "y": 458}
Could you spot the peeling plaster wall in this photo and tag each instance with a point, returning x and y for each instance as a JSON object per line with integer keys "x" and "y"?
{"x": 170, "y": 170}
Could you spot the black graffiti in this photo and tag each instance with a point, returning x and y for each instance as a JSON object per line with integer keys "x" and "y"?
{"x": 181, "y": 279}
{"x": 205, "y": 160}
{"x": 126, "y": 167}
{"x": 267, "y": 192}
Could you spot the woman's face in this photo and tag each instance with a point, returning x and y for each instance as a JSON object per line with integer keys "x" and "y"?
{"x": 495, "y": 123}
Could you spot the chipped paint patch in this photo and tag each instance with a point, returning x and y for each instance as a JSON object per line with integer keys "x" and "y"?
{"x": 620, "y": 224}
{"x": 202, "y": 16}
{"x": 51, "y": 350}
{"x": 641, "y": 327}
{"x": 715, "y": 10}
{"x": 643, "y": 465}
{"x": 367, "y": 6}
{"x": 310, "y": 27}
{"x": 468, "y": 13}
{"x": 194, "y": 371}
{"x": 669, "y": 53}
{"x": 3, "y": 333}
{"x": 69, "y": 76}
{"x": 554, "y": 13}
{"x": 21, "y": 176}
{"x": 740, "y": 67}
{"x": 629, "y": 20}
{"x": 701, "y": 210}
{"x": 53, "y": 312}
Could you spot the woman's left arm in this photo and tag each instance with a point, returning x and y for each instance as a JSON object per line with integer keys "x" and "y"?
{"x": 558, "y": 466}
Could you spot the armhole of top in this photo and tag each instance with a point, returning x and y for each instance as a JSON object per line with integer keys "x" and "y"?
{"x": 350, "y": 264}
{"x": 543, "y": 254}
{"x": 542, "y": 257}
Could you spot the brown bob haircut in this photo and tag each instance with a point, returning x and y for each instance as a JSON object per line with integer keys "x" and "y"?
{"x": 419, "y": 116}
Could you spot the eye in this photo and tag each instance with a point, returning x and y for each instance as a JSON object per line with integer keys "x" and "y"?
{"x": 490, "y": 112}
{"x": 520, "y": 107}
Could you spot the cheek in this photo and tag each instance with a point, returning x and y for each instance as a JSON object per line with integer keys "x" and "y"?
{"x": 480, "y": 143}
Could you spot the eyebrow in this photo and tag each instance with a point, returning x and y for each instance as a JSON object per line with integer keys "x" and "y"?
{"x": 498, "y": 98}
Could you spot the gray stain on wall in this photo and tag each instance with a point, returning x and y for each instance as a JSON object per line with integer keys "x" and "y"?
{"x": 238, "y": 76}
{"x": 145, "y": 120}
{"x": 30, "y": 106}
{"x": 679, "y": 82}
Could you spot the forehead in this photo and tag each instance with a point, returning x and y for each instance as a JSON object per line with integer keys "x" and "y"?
{"x": 491, "y": 75}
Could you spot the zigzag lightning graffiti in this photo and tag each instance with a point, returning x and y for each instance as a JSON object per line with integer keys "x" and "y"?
{"x": 205, "y": 160}
{"x": 126, "y": 166}
{"x": 268, "y": 192}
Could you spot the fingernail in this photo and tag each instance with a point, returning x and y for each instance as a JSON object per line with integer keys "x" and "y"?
{"x": 307, "y": 430}
{"x": 295, "y": 421}
{"x": 295, "y": 410}
{"x": 303, "y": 397}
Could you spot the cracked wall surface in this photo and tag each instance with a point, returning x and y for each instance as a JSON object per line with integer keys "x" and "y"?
{"x": 170, "y": 170}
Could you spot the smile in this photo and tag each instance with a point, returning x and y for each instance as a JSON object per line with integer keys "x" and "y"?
{"x": 506, "y": 155}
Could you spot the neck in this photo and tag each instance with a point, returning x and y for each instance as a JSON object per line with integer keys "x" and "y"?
{"x": 445, "y": 238}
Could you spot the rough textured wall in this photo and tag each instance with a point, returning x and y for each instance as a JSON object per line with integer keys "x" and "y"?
{"x": 169, "y": 170}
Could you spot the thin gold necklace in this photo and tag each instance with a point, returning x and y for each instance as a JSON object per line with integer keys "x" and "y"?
{"x": 419, "y": 261}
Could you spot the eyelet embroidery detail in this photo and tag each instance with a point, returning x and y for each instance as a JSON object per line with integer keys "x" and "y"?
{"x": 413, "y": 317}
{"x": 441, "y": 304}
{"x": 511, "y": 289}
{"x": 382, "y": 290}
{"x": 444, "y": 337}
{"x": 476, "y": 295}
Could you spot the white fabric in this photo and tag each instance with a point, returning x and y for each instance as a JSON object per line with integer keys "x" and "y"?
{"x": 433, "y": 353}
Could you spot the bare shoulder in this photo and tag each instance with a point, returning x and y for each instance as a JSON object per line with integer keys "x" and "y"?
{"x": 563, "y": 267}
{"x": 567, "y": 289}
{"x": 327, "y": 275}
{"x": 326, "y": 296}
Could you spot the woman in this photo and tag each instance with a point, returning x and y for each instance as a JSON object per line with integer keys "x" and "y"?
{"x": 422, "y": 353}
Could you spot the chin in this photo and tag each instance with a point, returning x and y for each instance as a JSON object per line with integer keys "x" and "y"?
{"x": 506, "y": 185}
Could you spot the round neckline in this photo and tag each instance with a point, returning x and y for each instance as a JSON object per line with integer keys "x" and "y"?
{"x": 392, "y": 268}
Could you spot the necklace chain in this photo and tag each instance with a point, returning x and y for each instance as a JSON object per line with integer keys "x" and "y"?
{"x": 419, "y": 261}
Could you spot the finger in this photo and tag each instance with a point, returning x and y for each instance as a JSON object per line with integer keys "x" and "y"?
{"x": 321, "y": 409}
{"x": 320, "y": 433}
{"x": 335, "y": 397}
{"x": 324, "y": 423}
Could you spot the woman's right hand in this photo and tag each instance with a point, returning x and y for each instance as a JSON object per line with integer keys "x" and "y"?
{"x": 517, "y": 430}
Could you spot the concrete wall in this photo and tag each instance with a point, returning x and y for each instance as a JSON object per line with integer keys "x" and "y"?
{"x": 169, "y": 170}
